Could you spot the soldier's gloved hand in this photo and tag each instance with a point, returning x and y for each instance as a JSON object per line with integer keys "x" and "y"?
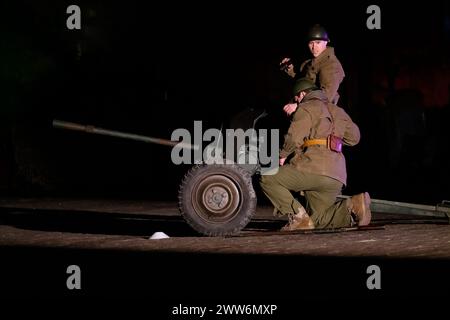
{"x": 282, "y": 160}
{"x": 290, "y": 108}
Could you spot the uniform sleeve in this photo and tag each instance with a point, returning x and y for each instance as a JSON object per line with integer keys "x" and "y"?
{"x": 344, "y": 127}
{"x": 351, "y": 134}
{"x": 304, "y": 63}
{"x": 298, "y": 131}
{"x": 330, "y": 77}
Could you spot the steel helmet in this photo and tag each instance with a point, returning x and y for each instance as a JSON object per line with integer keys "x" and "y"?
{"x": 302, "y": 84}
{"x": 317, "y": 32}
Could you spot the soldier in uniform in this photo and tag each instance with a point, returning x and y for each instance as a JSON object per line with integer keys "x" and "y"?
{"x": 324, "y": 68}
{"x": 316, "y": 166}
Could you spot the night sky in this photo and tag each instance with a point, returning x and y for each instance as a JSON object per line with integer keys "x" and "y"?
{"x": 149, "y": 69}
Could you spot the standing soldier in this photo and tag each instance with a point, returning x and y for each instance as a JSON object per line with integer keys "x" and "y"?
{"x": 323, "y": 69}
{"x": 315, "y": 138}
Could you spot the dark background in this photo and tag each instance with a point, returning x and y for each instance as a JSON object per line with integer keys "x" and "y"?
{"x": 149, "y": 69}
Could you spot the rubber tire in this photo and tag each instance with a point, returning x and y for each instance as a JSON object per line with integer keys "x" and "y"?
{"x": 240, "y": 216}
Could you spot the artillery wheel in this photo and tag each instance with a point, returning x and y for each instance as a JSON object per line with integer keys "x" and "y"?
{"x": 217, "y": 199}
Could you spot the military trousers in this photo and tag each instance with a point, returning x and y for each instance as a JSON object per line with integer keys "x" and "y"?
{"x": 320, "y": 193}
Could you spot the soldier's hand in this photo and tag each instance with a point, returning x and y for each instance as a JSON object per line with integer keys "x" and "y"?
{"x": 290, "y": 108}
{"x": 287, "y": 66}
{"x": 285, "y": 60}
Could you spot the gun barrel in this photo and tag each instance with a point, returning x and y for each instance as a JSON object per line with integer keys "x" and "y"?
{"x": 105, "y": 132}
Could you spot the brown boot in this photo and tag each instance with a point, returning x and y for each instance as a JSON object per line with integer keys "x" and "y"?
{"x": 299, "y": 221}
{"x": 360, "y": 206}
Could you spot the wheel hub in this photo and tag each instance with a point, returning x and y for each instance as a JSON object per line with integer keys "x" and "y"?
{"x": 216, "y": 198}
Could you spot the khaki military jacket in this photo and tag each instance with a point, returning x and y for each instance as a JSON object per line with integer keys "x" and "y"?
{"x": 326, "y": 72}
{"x": 312, "y": 120}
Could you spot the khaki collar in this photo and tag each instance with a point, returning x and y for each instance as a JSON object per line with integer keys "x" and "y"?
{"x": 326, "y": 54}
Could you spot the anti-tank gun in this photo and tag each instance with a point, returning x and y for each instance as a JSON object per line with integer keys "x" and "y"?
{"x": 216, "y": 196}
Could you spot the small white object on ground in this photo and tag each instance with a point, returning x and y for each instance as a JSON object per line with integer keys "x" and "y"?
{"x": 159, "y": 235}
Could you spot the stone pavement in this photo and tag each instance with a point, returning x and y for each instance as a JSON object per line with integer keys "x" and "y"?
{"x": 127, "y": 225}
{"x": 109, "y": 241}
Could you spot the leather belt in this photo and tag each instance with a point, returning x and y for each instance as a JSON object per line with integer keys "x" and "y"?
{"x": 313, "y": 142}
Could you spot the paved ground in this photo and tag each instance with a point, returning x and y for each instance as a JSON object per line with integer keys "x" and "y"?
{"x": 111, "y": 240}
{"x": 427, "y": 241}
{"x": 127, "y": 225}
